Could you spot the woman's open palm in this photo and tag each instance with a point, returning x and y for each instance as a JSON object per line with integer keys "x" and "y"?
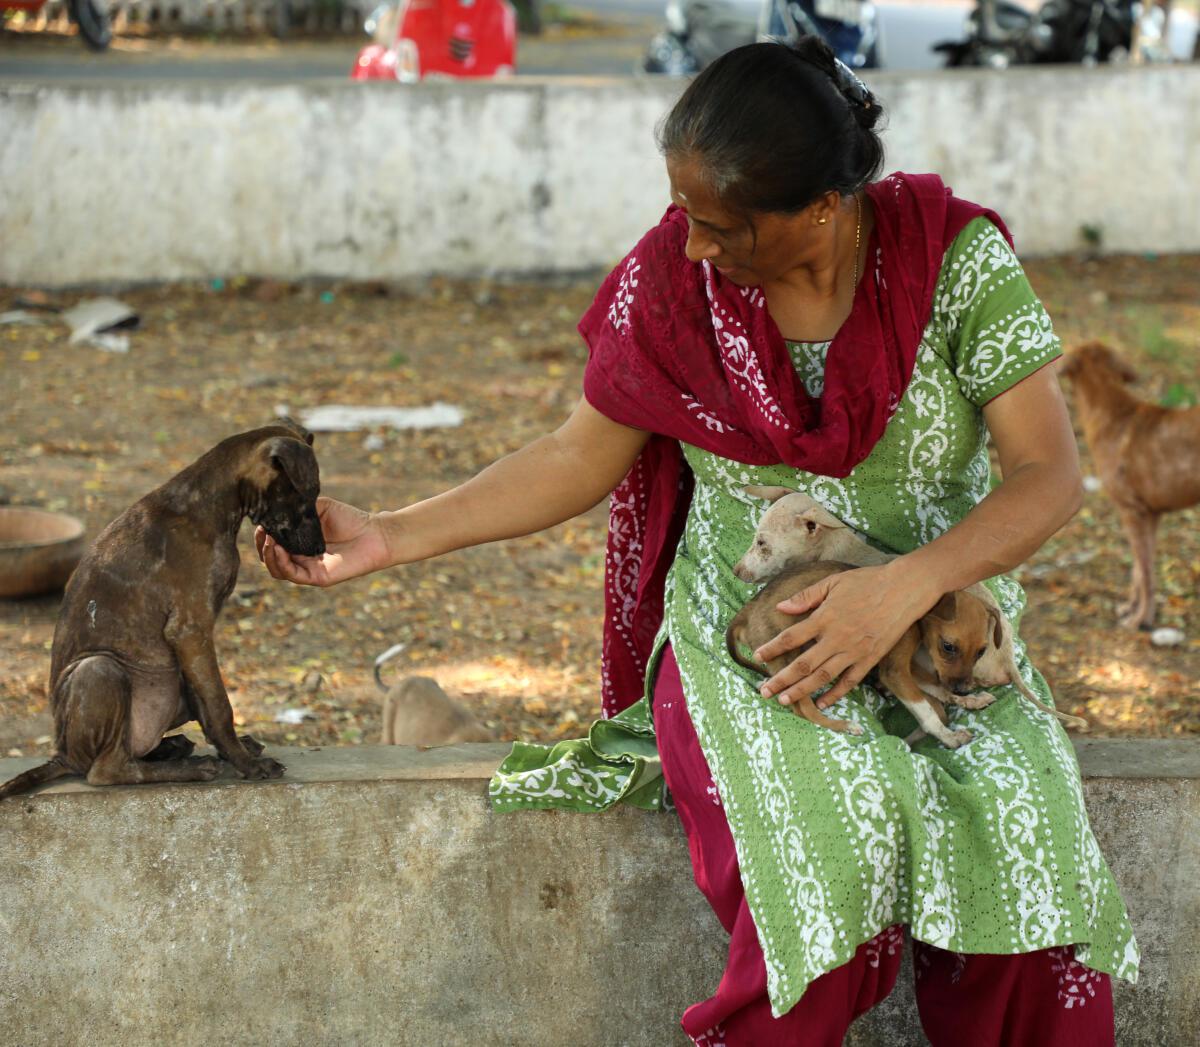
{"x": 354, "y": 545}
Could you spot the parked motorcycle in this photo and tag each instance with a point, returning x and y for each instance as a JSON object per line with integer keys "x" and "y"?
{"x": 91, "y": 16}
{"x": 999, "y": 33}
{"x": 699, "y": 31}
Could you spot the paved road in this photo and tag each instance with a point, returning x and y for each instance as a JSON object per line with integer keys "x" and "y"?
{"x": 907, "y": 30}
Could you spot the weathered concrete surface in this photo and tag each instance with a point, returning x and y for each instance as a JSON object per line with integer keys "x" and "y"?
{"x": 165, "y": 181}
{"x": 371, "y": 897}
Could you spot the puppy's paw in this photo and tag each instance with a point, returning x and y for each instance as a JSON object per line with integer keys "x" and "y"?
{"x": 207, "y": 767}
{"x": 252, "y": 745}
{"x": 976, "y": 700}
{"x": 264, "y": 767}
{"x": 954, "y": 739}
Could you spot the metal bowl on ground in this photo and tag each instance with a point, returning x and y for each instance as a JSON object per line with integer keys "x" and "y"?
{"x": 38, "y": 550}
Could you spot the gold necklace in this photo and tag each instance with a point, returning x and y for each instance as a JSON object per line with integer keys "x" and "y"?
{"x": 857, "y": 242}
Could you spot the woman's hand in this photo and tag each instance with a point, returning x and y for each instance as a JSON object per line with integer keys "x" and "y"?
{"x": 859, "y": 616}
{"x": 354, "y": 545}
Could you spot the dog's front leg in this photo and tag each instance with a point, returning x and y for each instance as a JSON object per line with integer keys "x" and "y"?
{"x": 1140, "y": 528}
{"x": 931, "y": 685}
{"x": 192, "y": 642}
{"x": 926, "y": 710}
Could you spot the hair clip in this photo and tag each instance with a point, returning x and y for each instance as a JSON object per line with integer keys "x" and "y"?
{"x": 851, "y": 86}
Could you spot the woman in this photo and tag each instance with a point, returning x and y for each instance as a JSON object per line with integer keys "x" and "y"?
{"x": 793, "y": 323}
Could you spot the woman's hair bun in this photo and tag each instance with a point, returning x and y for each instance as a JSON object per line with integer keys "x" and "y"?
{"x": 863, "y": 104}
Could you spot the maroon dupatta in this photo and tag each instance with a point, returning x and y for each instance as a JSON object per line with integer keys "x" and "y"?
{"x": 680, "y": 351}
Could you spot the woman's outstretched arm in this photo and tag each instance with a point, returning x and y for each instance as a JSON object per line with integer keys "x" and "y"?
{"x": 552, "y": 479}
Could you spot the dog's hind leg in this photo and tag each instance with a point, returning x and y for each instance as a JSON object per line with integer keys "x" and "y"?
{"x": 172, "y": 747}
{"x": 95, "y": 715}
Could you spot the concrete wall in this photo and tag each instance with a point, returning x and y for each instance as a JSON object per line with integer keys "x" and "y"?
{"x": 164, "y": 181}
{"x": 372, "y": 897}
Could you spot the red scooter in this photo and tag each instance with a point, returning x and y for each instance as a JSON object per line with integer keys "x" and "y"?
{"x": 416, "y": 39}
{"x": 90, "y": 15}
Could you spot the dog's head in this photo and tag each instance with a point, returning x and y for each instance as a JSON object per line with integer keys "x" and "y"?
{"x": 280, "y": 485}
{"x": 1093, "y": 357}
{"x": 956, "y": 633}
{"x": 795, "y": 528}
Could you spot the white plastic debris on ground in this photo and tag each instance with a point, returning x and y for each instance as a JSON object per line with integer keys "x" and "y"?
{"x": 1092, "y": 484}
{"x": 340, "y": 418}
{"x": 1167, "y": 637}
{"x": 96, "y": 321}
{"x": 293, "y": 716}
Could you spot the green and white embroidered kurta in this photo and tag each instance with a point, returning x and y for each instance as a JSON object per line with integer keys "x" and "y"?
{"x": 985, "y": 848}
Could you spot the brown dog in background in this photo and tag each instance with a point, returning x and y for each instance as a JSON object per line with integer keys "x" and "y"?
{"x": 1147, "y": 456}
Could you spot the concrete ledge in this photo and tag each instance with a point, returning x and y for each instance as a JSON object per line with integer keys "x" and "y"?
{"x": 379, "y": 181}
{"x": 372, "y": 897}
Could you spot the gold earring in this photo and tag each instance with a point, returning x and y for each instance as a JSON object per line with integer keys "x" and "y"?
{"x": 822, "y": 221}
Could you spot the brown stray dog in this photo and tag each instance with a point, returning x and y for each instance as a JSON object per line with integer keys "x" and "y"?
{"x": 1148, "y": 458}
{"x": 955, "y": 633}
{"x": 133, "y": 650}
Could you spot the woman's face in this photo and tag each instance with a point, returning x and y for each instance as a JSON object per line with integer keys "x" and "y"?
{"x": 748, "y": 255}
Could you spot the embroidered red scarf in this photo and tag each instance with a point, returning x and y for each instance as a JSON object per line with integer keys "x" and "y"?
{"x": 680, "y": 351}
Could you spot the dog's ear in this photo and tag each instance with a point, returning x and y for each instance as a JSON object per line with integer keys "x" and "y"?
{"x": 770, "y": 494}
{"x": 946, "y": 609}
{"x": 812, "y": 520}
{"x": 1068, "y": 365}
{"x": 288, "y": 422}
{"x": 997, "y": 627}
{"x": 295, "y": 461}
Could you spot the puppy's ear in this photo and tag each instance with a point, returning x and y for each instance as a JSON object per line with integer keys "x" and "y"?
{"x": 295, "y": 461}
{"x": 997, "y": 627}
{"x": 811, "y": 520}
{"x": 770, "y": 494}
{"x": 288, "y": 422}
{"x": 1068, "y": 365}
{"x": 946, "y": 609}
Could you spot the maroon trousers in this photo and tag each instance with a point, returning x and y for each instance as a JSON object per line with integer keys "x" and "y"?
{"x": 1025, "y": 1000}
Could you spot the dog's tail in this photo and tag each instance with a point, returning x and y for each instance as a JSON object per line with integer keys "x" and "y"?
{"x": 382, "y": 660}
{"x": 731, "y": 645}
{"x": 34, "y": 777}
{"x": 1067, "y": 718}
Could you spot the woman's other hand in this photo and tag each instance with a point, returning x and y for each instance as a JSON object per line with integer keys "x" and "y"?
{"x": 857, "y": 617}
{"x": 354, "y": 545}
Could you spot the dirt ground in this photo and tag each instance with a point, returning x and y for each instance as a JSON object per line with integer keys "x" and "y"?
{"x": 512, "y": 629}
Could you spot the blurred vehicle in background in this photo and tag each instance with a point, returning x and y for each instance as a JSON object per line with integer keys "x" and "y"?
{"x": 847, "y": 26}
{"x": 999, "y": 33}
{"x": 698, "y": 31}
{"x": 928, "y": 34}
{"x": 91, "y": 16}
{"x": 415, "y": 39}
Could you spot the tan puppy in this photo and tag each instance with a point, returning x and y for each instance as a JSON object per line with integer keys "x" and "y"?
{"x": 1148, "y": 458}
{"x": 955, "y": 633}
{"x": 758, "y": 621}
{"x": 416, "y": 711}
{"x": 796, "y": 529}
